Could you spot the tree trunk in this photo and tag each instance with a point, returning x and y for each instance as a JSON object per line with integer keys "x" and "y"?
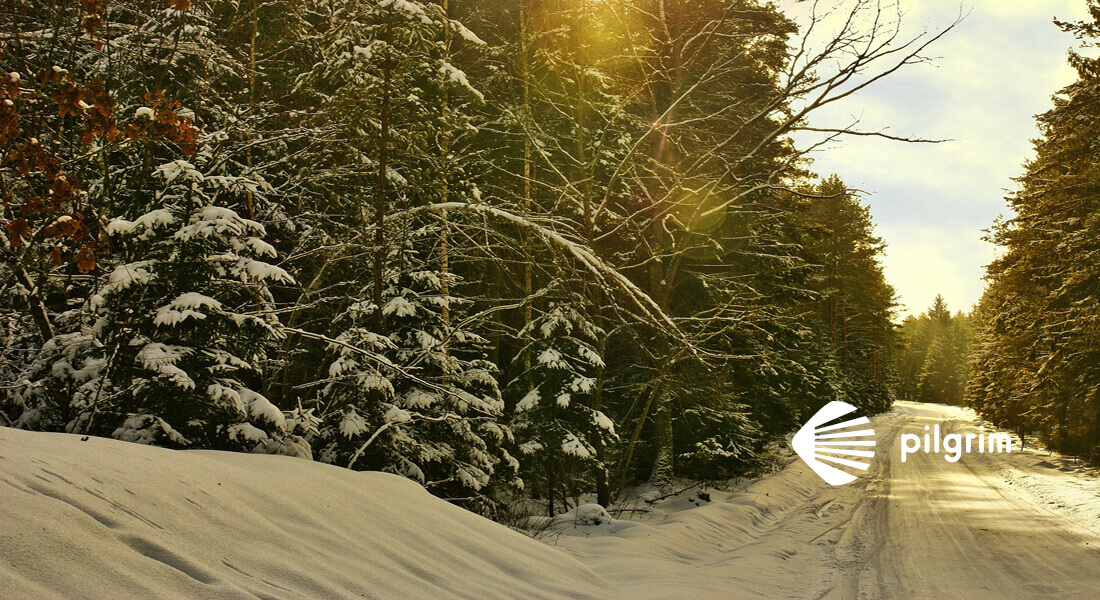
{"x": 661, "y": 476}
{"x": 665, "y": 86}
{"x": 380, "y": 196}
{"x": 528, "y": 173}
{"x": 551, "y": 485}
{"x": 34, "y": 300}
{"x": 603, "y": 488}
{"x": 445, "y": 172}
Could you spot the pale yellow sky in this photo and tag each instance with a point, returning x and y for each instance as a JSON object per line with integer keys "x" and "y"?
{"x": 992, "y": 74}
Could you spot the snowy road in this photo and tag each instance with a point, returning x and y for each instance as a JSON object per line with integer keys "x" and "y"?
{"x": 928, "y": 528}
{"x": 1013, "y": 526}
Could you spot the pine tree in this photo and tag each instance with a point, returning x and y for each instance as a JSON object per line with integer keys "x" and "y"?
{"x": 856, "y": 303}
{"x": 555, "y": 418}
{"x": 435, "y": 415}
{"x": 935, "y": 355}
{"x": 1038, "y": 353}
{"x": 392, "y": 209}
{"x": 168, "y": 349}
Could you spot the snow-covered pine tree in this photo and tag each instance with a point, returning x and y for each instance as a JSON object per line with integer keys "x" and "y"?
{"x": 1038, "y": 355}
{"x": 168, "y": 349}
{"x": 430, "y": 409}
{"x": 718, "y": 435}
{"x": 556, "y": 426}
{"x": 409, "y": 390}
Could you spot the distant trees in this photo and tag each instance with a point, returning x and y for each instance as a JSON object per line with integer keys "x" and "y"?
{"x": 933, "y": 361}
{"x": 572, "y": 251}
{"x": 1037, "y": 365}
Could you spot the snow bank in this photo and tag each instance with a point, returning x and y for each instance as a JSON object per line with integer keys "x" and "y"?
{"x": 106, "y": 519}
{"x": 102, "y": 518}
{"x": 790, "y": 535}
{"x": 586, "y": 514}
{"x": 1061, "y": 485}
{"x": 751, "y": 543}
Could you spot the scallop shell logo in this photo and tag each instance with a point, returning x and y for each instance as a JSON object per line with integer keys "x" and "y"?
{"x": 818, "y": 443}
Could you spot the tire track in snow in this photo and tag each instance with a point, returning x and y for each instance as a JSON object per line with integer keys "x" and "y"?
{"x": 956, "y": 530}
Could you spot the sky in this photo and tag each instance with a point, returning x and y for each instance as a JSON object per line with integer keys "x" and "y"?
{"x": 990, "y": 76}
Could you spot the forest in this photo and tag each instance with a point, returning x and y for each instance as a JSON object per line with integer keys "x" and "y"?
{"x": 934, "y": 355}
{"x": 510, "y": 250}
{"x": 1036, "y": 356}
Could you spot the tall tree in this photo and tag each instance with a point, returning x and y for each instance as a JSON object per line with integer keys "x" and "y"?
{"x": 934, "y": 356}
{"x": 856, "y": 304}
{"x": 1038, "y": 353}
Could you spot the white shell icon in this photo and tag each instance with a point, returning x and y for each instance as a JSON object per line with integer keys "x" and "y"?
{"x": 815, "y": 444}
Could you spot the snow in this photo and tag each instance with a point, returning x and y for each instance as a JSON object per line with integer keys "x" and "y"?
{"x": 372, "y": 381}
{"x": 585, "y": 515}
{"x": 458, "y": 77}
{"x": 476, "y": 376}
{"x": 194, "y": 300}
{"x": 529, "y": 400}
{"x": 418, "y": 398}
{"x": 399, "y": 306}
{"x": 583, "y": 385}
{"x": 247, "y": 431}
{"x": 261, "y": 271}
{"x": 185, "y": 306}
{"x": 411, "y": 8}
{"x": 466, "y": 34}
{"x": 261, "y": 407}
{"x": 510, "y": 460}
{"x": 590, "y": 355}
{"x": 218, "y": 392}
{"x": 552, "y": 322}
{"x": 161, "y": 359}
{"x": 572, "y": 445}
{"x": 260, "y": 247}
{"x": 148, "y": 221}
{"x": 397, "y": 415}
{"x": 988, "y": 526}
{"x": 426, "y": 340}
{"x": 552, "y": 358}
{"x": 210, "y": 219}
{"x": 108, "y": 519}
{"x": 170, "y": 171}
{"x": 126, "y": 275}
{"x": 139, "y": 429}
{"x": 471, "y": 480}
{"x": 353, "y": 424}
{"x": 603, "y": 422}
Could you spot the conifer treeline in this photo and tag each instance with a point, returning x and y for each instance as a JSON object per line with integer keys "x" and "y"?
{"x": 566, "y": 245}
{"x": 1037, "y": 363}
{"x": 933, "y": 360}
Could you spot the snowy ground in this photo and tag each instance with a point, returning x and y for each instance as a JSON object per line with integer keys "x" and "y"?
{"x": 1022, "y": 525}
{"x": 100, "y": 518}
{"x": 109, "y": 519}
{"x": 988, "y": 526}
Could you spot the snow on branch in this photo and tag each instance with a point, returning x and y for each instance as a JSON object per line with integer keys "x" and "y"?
{"x": 583, "y": 254}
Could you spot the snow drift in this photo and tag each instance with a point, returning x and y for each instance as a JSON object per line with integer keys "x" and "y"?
{"x": 107, "y": 519}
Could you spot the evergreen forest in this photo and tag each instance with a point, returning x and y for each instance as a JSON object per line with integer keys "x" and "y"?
{"x": 523, "y": 249}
